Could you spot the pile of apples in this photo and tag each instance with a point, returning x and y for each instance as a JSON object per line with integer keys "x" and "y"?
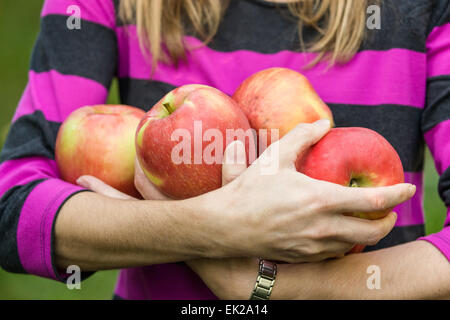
{"x": 104, "y": 140}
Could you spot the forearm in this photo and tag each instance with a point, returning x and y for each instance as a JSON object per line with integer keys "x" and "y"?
{"x": 416, "y": 270}
{"x": 229, "y": 279}
{"x": 97, "y": 233}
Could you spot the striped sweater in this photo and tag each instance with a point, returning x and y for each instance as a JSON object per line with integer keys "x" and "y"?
{"x": 398, "y": 84}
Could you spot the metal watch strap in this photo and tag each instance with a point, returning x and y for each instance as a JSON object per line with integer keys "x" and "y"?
{"x": 264, "y": 281}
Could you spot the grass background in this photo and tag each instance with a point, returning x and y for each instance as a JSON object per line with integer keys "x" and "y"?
{"x": 19, "y": 25}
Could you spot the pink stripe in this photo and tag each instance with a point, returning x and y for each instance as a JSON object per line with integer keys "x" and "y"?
{"x": 411, "y": 212}
{"x": 395, "y": 76}
{"x": 438, "y": 140}
{"x": 22, "y": 171}
{"x": 57, "y": 95}
{"x": 173, "y": 281}
{"x": 438, "y": 51}
{"x": 34, "y": 231}
{"x": 441, "y": 241}
{"x": 97, "y": 11}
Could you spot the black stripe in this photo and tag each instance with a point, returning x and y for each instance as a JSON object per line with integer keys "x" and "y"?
{"x": 438, "y": 102}
{"x": 119, "y": 22}
{"x": 11, "y": 205}
{"x": 400, "y": 125}
{"x": 265, "y": 29}
{"x": 410, "y": 13}
{"x": 399, "y": 235}
{"x": 142, "y": 94}
{"x": 269, "y": 28}
{"x": 441, "y": 13}
{"x": 90, "y": 52}
{"x": 444, "y": 187}
{"x": 29, "y": 136}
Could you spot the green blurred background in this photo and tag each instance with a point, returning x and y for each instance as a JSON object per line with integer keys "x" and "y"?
{"x": 19, "y": 25}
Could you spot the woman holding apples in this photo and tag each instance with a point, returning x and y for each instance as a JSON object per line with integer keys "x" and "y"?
{"x": 394, "y": 80}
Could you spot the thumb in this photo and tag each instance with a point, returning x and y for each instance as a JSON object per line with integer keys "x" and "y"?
{"x": 144, "y": 186}
{"x": 234, "y": 161}
{"x": 298, "y": 140}
{"x": 98, "y": 186}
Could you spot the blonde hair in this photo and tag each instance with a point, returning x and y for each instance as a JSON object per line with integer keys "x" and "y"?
{"x": 161, "y": 25}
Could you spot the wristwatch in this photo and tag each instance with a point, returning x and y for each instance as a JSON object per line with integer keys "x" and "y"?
{"x": 265, "y": 280}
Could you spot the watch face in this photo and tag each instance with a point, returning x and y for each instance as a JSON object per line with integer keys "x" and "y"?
{"x": 267, "y": 268}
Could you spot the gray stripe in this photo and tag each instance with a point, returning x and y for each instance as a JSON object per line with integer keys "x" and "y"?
{"x": 265, "y": 29}
{"x": 142, "y": 94}
{"x": 438, "y": 102}
{"x": 30, "y": 136}
{"x": 269, "y": 28}
{"x": 400, "y": 125}
{"x": 399, "y": 235}
{"x": 90, "y": 52}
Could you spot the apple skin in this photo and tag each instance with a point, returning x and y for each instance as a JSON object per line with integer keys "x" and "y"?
{"x": 99, "y": 141}
{"x": 355, "y": 157}
{"x": 188, "y": 104}
{"x": 280, "y": 98}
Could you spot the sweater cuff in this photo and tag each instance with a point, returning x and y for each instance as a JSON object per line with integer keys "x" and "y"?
{"x": 35, "y": 231}
{"x": 441, "y": 239}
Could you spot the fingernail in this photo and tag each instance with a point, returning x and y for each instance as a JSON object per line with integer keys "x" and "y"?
{"x": 230, "y": 153}
{"x": 235, "y": 153}
{"x": 324, "y": 123}
{"x": 412, "y": 189}
{"x": 82, "y": 182}
{"x": 240, "y": 153}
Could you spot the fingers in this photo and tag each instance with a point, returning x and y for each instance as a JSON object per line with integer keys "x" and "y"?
{"x": 319, "y": 257}
{"x": 234, "y": 161}
{"x": 147, "y": 190}
{"x": 298, "y": 140}
{"x": 372, "y": 199}
{"x": 330, "y": 249}
{"x": 98, "y": 186}
{"x": 362, "y": 231}
{"x": 337, "y": 249}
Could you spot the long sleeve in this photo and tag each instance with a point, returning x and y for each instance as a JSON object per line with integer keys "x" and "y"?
{"x": 436, "y": 116}
{"x": 70, "y": 68}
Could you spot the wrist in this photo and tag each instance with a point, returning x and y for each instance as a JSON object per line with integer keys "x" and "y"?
{"x": 296, "y": 282}
{"x": 190, "y": 225}
{"x": 228, "y": 279}
{"x": 218, "y": 226}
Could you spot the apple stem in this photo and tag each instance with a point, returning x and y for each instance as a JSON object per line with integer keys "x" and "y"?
{"x": 353, "y": 183}
{"x": 168, "y": 108}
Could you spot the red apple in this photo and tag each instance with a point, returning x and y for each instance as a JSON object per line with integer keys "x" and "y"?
{"x": 353, "y": 157}
{"x": 280, "y": 98}
{"x": 99, "y": 141}
{"x": 181, "y": 140}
